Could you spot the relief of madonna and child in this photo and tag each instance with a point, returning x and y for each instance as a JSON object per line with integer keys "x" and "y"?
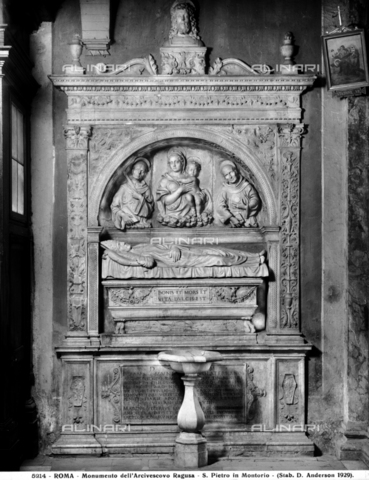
{"x": 179, "y": 199}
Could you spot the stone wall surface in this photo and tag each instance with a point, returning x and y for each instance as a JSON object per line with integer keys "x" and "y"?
{"x": 358, "y": 262}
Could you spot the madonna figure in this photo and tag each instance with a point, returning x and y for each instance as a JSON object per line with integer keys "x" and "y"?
{"x": 133, "y": 203}
{"x": 179, "y": 198}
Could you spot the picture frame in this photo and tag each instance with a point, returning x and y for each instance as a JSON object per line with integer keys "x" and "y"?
{"x": 345, "y": 59}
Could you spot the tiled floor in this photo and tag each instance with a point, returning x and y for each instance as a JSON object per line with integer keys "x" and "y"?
{"x": 325, "y": 462}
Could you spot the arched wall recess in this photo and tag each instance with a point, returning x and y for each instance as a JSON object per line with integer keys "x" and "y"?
{"x": 150, "y": 141}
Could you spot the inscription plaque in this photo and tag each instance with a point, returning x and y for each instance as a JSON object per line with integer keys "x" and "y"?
{"x": 151, "y": 394}
{"x": 221, "y": 392}
{"x": 183, "y": 295}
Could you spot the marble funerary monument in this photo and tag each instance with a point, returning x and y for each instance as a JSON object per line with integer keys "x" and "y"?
{"x": 183, "y": 232}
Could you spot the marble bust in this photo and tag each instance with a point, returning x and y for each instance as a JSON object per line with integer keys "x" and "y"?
{"x": 184, "y": 29}
{"x": 133, "y": 204}
{"x": 239, "y": 202}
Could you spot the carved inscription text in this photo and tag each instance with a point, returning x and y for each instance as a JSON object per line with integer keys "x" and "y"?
{"x": 183, "y": 295}
{"x": 151, "y": 394}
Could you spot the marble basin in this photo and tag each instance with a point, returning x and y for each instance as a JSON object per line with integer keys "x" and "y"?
{"x": 190, "y": 450}
{"x": 189, "y": 361}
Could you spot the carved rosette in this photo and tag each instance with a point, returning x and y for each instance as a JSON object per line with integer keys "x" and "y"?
{"x": 289, "y": 271}
{"x": 76, "y": 145}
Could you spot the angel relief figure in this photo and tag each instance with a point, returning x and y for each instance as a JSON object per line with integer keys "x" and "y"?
{"x": 181, "y": 201}
{"x": 133, "y": 203}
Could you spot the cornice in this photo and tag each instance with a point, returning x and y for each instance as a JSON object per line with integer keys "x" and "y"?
{"x": 159, "y": 83}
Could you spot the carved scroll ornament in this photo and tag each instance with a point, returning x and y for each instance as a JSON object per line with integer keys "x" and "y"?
{"x": 289, "y": 240}
{"x": 111, "y": 391}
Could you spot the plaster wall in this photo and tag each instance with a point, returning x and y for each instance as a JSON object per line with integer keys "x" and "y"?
{"x": 42, "y": 175}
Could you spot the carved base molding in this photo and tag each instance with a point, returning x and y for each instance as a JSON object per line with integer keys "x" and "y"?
{"x": 162, "y": 443}
{"x": 125, "y": 403}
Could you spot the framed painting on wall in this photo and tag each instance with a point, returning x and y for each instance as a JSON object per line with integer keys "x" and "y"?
{"x": 345, "y": 60}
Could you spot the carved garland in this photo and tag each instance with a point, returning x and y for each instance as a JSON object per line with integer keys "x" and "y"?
{"x": 181, "y": 101}
{"x": 129, "y": 296}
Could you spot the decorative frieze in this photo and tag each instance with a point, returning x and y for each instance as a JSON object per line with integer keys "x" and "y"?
{"x": 182, "y": 100}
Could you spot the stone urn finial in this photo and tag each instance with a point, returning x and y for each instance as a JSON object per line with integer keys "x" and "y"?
{"x": 76, "y": 48}
{"x": 287, "y": 51}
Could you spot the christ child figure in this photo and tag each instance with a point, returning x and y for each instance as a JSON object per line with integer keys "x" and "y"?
{"x": 193, "y": 170}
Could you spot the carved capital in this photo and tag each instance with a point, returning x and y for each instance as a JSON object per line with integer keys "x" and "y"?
{"x": 77, "y": 137}
{"x": 290, "y": 135}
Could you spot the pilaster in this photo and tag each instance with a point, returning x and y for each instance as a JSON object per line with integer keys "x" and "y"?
{"x": 77, "y": 139}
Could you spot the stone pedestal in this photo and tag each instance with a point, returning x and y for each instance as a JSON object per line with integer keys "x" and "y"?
{"x": 190, "y": 449}
{"x": 179, "y": 60}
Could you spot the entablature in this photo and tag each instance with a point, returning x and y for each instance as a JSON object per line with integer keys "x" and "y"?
{"x": 103, "y": 99}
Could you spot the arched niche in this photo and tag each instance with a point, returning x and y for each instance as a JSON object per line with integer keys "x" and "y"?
{"x": 209, "y": 147}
